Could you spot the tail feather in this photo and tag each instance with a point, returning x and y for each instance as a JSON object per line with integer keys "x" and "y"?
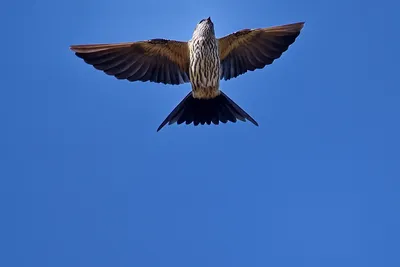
{"x": 206, "y": 111}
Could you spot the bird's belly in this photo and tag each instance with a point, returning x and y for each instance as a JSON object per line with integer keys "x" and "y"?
{"x": 204, "y": 76}
{"x": 205, "y": 72}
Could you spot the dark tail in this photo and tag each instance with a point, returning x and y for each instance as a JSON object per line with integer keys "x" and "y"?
{"x": 215, "y": 110}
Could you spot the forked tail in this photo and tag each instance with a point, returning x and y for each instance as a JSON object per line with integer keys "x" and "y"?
{"x": 201, "y": 111}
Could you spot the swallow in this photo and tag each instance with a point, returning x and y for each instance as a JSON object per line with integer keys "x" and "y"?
{"x": 202, "y": 61}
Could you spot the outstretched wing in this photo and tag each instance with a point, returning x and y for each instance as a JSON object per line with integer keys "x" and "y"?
{"x": 247, "y": 50}
{"x": 157, "y": 60}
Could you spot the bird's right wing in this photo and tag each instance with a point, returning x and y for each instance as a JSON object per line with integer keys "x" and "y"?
{"x": 157, "y": 60}
{"x": 254, "y": 49}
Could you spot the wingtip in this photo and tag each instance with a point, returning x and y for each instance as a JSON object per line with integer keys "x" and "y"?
{"x": 73, "y": 48}
{"x": 299, "y": 25}
{"x": 80, "y": 48}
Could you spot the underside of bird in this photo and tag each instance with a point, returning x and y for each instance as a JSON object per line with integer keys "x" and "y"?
{"x": 167, "y": 61}
{"x": 206, "y": 111}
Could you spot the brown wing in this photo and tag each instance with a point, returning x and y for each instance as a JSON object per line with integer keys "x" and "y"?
{"x": 247, "y": 50}
{"x": 157, "y": 60}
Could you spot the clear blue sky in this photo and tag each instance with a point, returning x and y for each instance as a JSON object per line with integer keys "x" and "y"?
{"x": 87, "y": 181}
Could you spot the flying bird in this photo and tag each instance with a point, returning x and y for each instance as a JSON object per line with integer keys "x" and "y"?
{"x": 202, "y": 61}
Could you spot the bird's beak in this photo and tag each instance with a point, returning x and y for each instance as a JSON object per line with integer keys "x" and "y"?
{"x": 209, "y": 19}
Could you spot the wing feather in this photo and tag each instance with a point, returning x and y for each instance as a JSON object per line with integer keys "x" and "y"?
{"x": 247, "y": 50}
{"x": 156, "y": 60}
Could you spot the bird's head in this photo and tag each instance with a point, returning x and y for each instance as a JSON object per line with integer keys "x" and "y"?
{"x": 205, "y": 28}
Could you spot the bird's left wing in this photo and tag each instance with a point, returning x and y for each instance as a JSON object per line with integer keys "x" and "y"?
{"x": 247, "y": 50}
{"x": 156, "y": 60}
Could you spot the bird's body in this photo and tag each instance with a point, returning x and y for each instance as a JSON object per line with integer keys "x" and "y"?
{"x": 203, "y": 61}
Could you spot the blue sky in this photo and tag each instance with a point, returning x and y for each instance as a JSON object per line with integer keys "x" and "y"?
{"x": 87, "y": 181}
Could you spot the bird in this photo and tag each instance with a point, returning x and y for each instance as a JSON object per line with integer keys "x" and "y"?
{"x": 203, "y": 61}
